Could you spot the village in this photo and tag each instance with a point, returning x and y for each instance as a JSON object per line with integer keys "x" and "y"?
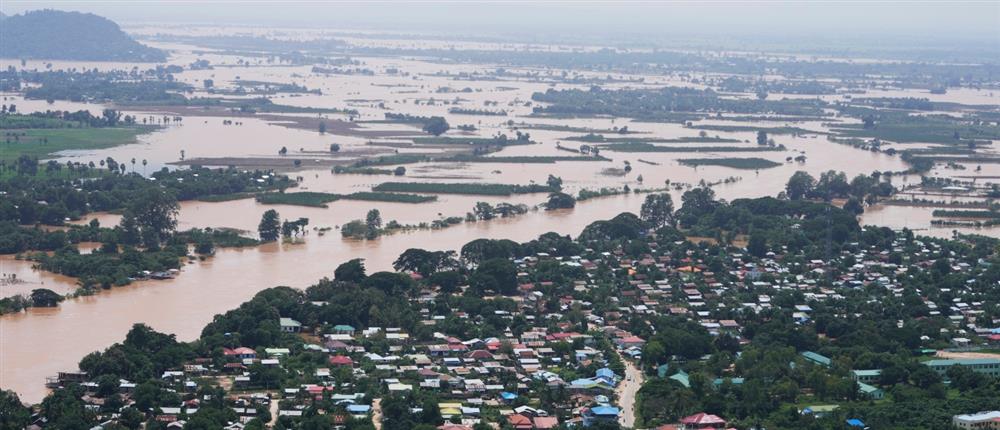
{"x": 625, "y": 327}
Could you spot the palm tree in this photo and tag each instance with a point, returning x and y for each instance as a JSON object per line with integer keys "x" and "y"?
{"x": 133, "y": 164}
{"x": 144, "y": 162}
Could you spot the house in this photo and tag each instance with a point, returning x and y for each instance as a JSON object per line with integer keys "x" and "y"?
{"x": 241, "y": 353}
{"x": 341, "y": 360}
{"x": 598, "y": 414}
{"x": 817, "y": 358}
{"x": 543, "y": 423}
{"x": 702, "y": 420}
{"x": 520, "y": 422}
{"x": 870, "y": 392}
{"x": 289, "y": 325}
{"x": 630, "y": 342}
{"x": 343, "y": 329}
{"x": 980, "y": 420}
{"x": 988, "y": 366}
{"x": 866, "y": 376}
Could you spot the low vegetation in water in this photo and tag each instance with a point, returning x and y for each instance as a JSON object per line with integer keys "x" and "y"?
{"x": 648, "y": 147}
{"x": 735, "y": 163}
{"x": 320, "y": 200}
{"x": 462, "y": 188}
{"x": 541, "y": 159}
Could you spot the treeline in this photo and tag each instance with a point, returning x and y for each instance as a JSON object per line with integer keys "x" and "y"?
{"x": 663, "y": 103}
{"x": 37, "y": 197}
{"x": 63, "y": 119}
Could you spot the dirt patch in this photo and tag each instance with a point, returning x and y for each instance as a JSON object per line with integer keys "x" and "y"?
{"x": 949, "y": 354}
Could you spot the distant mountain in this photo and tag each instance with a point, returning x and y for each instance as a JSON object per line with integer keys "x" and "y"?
{"x": 58, "y": 35}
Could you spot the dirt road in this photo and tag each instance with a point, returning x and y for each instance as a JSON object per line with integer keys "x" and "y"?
{"x": 626, "y": 392}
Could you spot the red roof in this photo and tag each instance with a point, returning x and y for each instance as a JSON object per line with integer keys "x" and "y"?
{"x": 702, "y": 418}
{"x": 341, "y": 360}
{"x": 519, "y": 421}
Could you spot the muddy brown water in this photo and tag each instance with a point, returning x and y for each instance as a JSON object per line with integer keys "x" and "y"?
{"x": 42, "y": 342}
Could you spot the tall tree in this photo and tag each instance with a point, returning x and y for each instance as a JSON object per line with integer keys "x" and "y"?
{"x": 658, "y": 210}
{"x": 270, "y": 226}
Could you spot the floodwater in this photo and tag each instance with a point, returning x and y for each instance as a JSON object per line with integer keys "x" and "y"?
{"x": 184, "y": 305}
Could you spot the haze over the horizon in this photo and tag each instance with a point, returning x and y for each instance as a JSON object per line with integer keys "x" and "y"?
{"x": 926, "y": 24}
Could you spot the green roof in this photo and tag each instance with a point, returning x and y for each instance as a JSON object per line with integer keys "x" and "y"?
{"x": 683, "y": 378}
{"x": 812, "y": 356}
{"x": 962, "y": 362}
{"x": 867, "y": 389}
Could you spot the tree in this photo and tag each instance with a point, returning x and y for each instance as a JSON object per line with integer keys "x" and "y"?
{"x": 283, "y": 151}
{"x": 483, "y": 211}
{"x": 399, "y": 171}
{"x": 15, "y": 414}
{"x": 373, "y": 223}
{"x": 270, "y": 226}
{"x": 436, "y": 125}
{"x": 424, "y": 262}
{"x": 554, "y": 182}
{"x": 800, "y": 185}
{"x": 757, "y": 245}
{"x": 854, "y": 206}
{"x": 351, "y": 271}
{"x": 154, "y": 214}
{"x": 322, "y": 127}
{"x": 658, "y": 210}
{"x": 696, "y": 203}
{"x": 497, "y": 275}
{"x": 334, "y": 147}
{"x": 560, "y": 201}
{"x": 762, "y": 138}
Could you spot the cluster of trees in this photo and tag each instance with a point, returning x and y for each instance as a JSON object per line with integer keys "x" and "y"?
{"x": 860, "y": 191}
{"x": 65, "y": 197}
{"x": 62, "y": 119}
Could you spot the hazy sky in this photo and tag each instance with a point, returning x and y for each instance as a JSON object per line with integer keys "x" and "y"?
{"x": 873, "y": 22}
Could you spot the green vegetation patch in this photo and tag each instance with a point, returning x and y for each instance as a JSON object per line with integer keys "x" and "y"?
{"x": 648, "y": 147}
{"x": 43, "y": 143}
{"x": 735, "y": 163}
{"x": 458, "y": 188}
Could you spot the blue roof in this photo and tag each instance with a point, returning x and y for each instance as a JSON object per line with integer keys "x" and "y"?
{"x": 604, "y": 410}
{"x": 508, "y": 395}
{"x": 358, "y": 409}
{"x": 605, "y": 372}
{"x": 854, "y": 422}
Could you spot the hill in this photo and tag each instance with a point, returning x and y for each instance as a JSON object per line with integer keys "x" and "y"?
{"x": 58, "y": 35}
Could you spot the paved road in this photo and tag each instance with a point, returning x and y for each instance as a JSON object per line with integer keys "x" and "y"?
{"x": 626, "y": 392}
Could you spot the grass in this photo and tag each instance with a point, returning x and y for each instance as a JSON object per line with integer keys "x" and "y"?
{"x": 390, "y": 160}
{"x": 348, "y": 170}
{"x": 304, "y": 198}
{"x": 647, "y": 147}
{"x": 598, "y": 138}
{"x": 389, "y": 197}
{"x": 519, "y": 159}
{"x": 43, "y": 143}
{"x": 735, "y": 163}
{"x": 965, "y": 214}
{"x": 320, "y": 200}
{"x": 448, "y": 140}
{"x": 458, "y": 188}
{"x": 226, "y": 197}
{"x": 928, "y": 131}
{"x": 768, "y": 130}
